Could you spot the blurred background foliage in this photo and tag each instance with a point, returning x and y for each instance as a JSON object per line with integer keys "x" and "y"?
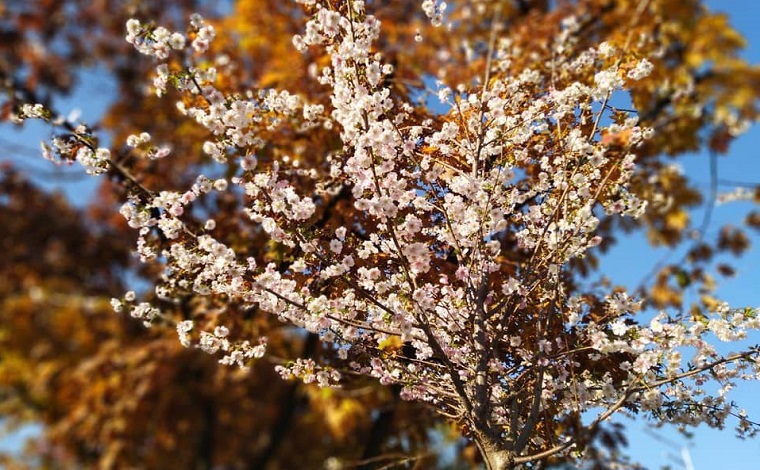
{"x": 109, "y": 393}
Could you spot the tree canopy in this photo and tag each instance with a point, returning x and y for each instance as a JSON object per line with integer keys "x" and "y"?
{"x": 397, "y": 207}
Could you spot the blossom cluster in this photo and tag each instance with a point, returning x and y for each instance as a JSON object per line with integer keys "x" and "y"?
{"x": 451, "y": 277}
{"x": 237, "y": 353}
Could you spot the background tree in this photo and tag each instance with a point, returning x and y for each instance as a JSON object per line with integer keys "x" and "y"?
{"x": 688, "y": 75}
{"x": 109, "y": 393}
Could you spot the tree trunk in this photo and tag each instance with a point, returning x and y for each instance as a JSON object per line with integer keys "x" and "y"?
{"x": 494, "y": 455}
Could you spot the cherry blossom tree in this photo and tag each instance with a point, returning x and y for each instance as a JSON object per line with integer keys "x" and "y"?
{"x": 467, "y": 209}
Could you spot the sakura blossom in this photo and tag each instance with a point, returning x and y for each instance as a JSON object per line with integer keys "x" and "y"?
{"x": 456, "y": 253}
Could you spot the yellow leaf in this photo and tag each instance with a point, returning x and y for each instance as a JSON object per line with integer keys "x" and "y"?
{"x": 677, "y": 220}
{"x": 710, "y": 302}
{"x": 662, "y": 295}
{"x": 392, "y": 343}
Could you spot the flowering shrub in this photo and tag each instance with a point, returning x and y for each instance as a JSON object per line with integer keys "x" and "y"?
{"x": 450, "y": 275}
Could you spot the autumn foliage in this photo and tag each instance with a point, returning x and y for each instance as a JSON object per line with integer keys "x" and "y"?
{"x": 399, "y": 207}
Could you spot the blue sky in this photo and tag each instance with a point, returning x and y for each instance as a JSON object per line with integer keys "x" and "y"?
{"x": 708, "y": 448}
